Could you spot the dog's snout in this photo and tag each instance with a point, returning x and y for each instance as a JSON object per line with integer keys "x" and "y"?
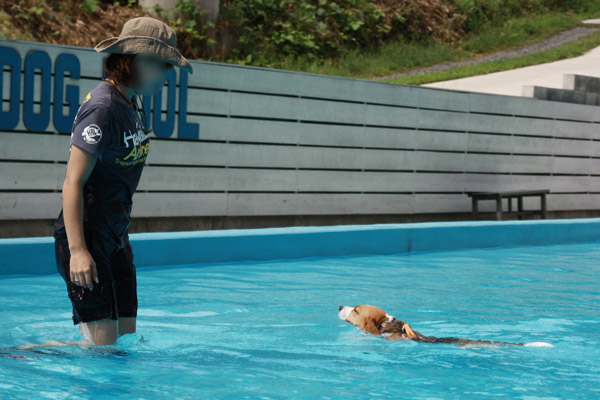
{"x": 344, "y": 311}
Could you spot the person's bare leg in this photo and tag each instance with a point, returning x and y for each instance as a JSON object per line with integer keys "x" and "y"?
{"x": 51, "y": 342}
{"x": 98, "y": 333}
{"x": 126, "y": 325}
{"x": 101, "y": 332}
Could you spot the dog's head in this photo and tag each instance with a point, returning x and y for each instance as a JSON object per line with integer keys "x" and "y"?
{"x": 374, "y": 320}
{"x": 366, "y": 317}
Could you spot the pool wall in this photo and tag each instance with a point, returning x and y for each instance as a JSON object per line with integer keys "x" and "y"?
{"x": 36, "y": 255}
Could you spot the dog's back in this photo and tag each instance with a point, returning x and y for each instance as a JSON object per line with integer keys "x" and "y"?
{"x": 396, "y": 330}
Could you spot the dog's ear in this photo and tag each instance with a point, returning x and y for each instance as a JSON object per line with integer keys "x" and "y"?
{"x": 371, "y": 327}
{"x": 408, "y": 331}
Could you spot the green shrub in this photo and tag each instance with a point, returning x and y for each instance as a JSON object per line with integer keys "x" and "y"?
{"x": 326, "y": 29}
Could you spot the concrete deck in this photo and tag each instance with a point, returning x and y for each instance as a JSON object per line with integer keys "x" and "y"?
{"x": 511, "y": 82}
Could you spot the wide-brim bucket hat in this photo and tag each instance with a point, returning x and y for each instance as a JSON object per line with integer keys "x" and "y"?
{"x": 146, "y": 35}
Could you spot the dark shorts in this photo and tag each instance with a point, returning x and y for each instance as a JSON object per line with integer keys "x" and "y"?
{"x": 116, "y": 293}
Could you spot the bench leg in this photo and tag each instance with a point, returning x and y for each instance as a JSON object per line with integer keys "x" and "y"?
{"x": 543, "y": 201}
{"x": 520, "y": 206}
{"x": 499, "y": 208}
{"x": 475, "y": 209}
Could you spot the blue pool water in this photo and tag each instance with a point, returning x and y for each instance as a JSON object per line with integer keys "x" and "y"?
{"x": 270, "y": 330}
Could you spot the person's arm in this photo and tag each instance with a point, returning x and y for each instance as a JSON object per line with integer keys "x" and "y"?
{"x": 89, "y": 136}
{"x": 81, "y": 164}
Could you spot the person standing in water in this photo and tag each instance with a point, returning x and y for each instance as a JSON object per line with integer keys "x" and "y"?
{"x": 108, "y": 148}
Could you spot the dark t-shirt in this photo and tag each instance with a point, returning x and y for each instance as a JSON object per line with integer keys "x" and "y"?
{"x": 108, "y": 126}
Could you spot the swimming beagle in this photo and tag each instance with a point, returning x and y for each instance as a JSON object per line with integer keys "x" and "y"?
{"x": 374, "y": 320}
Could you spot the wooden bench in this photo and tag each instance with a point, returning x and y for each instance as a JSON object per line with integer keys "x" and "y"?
{"x": 498, "y": 196}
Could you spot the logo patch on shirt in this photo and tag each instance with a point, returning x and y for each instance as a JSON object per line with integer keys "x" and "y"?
{"x": 92, "y": 134}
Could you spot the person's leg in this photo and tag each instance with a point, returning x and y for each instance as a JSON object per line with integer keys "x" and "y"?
{"x": 126, "y": 325}
{"x": 124, "y": 274}
{"x": 51, "y": 342}
{"x": 94, "y": 309}
{"x": 100, "y": 332}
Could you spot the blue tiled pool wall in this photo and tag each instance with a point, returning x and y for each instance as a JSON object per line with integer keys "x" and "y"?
{"x": 36, "y": 255}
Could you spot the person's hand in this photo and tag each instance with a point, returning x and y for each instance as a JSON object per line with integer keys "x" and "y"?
{"x": 83, "y": 269}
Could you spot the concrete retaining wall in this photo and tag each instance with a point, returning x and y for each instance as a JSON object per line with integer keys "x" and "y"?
{"x": 234, "y": 141}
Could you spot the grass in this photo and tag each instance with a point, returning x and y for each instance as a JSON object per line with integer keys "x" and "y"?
{"x": 402, "y": 56}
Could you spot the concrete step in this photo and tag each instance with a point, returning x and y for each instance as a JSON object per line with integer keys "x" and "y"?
{"x": 563, "y": 95}
{"x": 581, "y": 82}
{"x": 580, "y": 89}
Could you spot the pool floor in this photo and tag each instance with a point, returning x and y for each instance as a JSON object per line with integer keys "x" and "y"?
{"x": 270, "y": 330}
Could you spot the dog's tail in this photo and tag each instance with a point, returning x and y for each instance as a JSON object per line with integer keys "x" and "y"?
{"x": 538, "y": 344}
{"x": 463, "y": 342}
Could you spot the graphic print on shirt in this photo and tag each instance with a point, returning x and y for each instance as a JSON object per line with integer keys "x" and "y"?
{"x": 139, "y": 149}
{"x": 92, "y": 133}
{"x": 91, "y": 126}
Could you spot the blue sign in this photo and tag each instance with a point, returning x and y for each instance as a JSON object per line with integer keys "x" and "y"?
{"x": 68, "y": 65}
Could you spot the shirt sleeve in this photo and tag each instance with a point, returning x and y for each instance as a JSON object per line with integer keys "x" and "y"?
{"x": 91, "y": 128}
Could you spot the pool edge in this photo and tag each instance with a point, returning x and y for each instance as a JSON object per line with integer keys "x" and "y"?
{"x": 36, "y": 255}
